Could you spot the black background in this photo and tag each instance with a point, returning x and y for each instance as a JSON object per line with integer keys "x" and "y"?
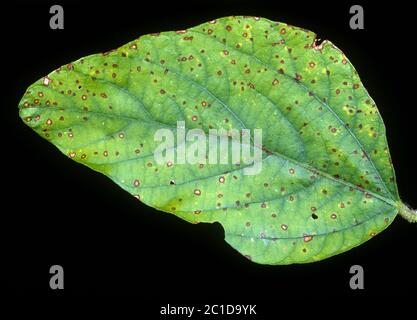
{"x": 55, "y": 211}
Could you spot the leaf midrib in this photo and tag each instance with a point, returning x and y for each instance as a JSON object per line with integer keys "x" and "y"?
{"x": 309, "y": 168}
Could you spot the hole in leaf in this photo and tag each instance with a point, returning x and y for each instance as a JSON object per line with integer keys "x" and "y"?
{"x": 314, "y": 216}
{"x": 172, "y": 182}
{"x": 318, "y": 41}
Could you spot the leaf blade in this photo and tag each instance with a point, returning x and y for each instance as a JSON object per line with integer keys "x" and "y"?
{"x": 157, "y": 80}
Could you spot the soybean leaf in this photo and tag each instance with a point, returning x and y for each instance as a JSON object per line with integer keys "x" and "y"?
{"x": 326, "y": 183}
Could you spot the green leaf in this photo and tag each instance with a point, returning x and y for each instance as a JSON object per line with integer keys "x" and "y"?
{"x": 326, "y": 184}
